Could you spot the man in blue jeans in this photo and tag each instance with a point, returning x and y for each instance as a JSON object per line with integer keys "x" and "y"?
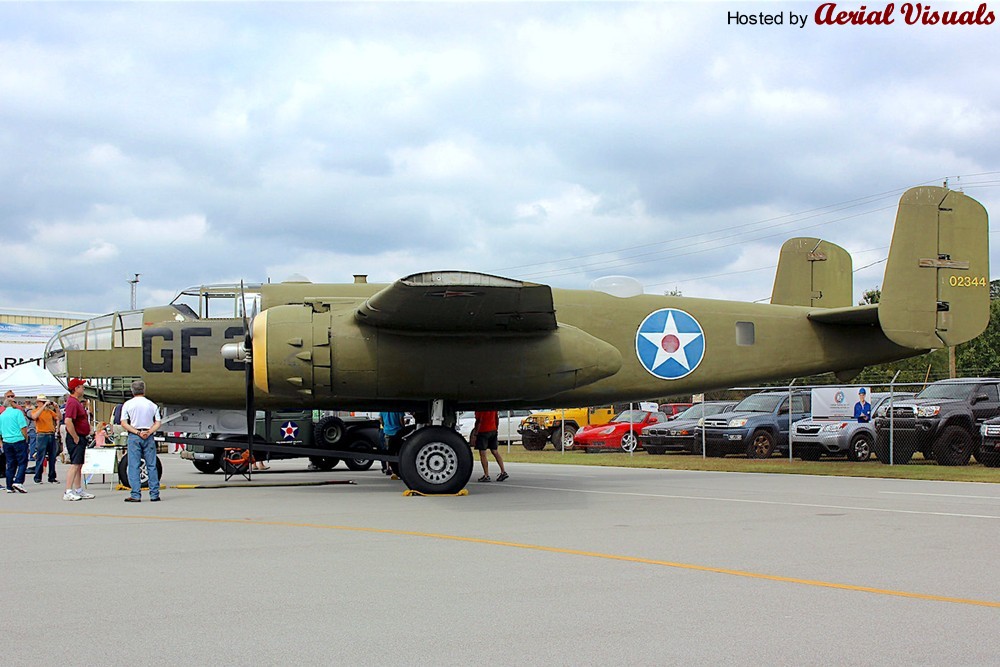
{"x": 46, "y": 416}
{"x": 14, "y": 432}
{"x": 141, "y": 418}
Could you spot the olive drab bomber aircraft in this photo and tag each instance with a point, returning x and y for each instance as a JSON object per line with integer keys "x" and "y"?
{"x": 438, "y": 342}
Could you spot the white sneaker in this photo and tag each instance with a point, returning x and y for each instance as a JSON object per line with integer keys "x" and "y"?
{"x": 70, "y": 495}
{"x": 84, "y": 495}
{"x": 19, "y": 488}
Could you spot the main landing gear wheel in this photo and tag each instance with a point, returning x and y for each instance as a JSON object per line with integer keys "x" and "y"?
{"x": 143, "y": 473}
{"x": 435, "y": 460}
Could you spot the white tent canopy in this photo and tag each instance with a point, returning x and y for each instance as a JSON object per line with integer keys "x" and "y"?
{"x": 30, "y": 380}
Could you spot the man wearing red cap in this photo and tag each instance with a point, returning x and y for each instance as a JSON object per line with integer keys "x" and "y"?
{"x": 77, "y": 429}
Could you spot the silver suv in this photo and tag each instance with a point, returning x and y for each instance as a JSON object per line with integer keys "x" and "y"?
{"x": 812, "y": 438}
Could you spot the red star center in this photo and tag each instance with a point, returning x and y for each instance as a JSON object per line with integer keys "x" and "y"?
{"x": 289, "y": 431}
{"x": 670, "y": 343}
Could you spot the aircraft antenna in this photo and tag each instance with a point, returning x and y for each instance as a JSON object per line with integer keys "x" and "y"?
{"x": 133, "y": 282}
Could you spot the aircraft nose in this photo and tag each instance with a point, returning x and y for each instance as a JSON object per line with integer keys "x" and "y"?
{"x": 55, "y": 358}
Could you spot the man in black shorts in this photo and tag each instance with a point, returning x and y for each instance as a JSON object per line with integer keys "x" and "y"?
{"x": 77, "y": 421}
{"x": 484, "y": 435}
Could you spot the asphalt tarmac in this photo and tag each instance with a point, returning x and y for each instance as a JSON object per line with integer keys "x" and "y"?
{"x": 559, "y": 565}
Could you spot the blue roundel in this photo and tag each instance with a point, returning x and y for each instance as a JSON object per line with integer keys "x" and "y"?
{"x": 670, "y": 343}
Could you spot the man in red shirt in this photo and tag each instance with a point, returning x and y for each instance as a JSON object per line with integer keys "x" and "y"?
{"x": 77, "y": 431}
{"x": 484, "y": 435}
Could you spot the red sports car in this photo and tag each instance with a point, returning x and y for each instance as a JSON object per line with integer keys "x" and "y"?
{"x": 622, "y": 432}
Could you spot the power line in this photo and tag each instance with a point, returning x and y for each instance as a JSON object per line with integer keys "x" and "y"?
{"x": 619, "y": 263}
{"x": 654, "y": 255}
{"x": 761, "y": 268}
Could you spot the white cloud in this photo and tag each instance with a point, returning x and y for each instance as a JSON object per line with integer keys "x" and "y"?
{"x": 440, "y": 160}
{"x": 557, "y": 140}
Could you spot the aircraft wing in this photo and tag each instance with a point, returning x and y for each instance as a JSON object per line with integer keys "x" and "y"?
{"x": 460, "y": 302}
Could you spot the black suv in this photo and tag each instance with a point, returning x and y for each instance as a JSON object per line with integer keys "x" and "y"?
{"x": 942, "y": 421}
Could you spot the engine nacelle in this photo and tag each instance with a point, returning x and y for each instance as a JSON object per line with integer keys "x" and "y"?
{"x": 307, "y": 354}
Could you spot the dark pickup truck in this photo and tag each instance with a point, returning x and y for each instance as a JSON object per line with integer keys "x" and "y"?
{"x": 757, "y": 426}
{"x": 943, "y": 422}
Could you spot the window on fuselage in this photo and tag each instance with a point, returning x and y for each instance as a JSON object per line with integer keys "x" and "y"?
{"x": 745, "y": 334}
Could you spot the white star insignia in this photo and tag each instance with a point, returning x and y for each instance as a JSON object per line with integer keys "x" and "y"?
{"x": 670, "y": 344}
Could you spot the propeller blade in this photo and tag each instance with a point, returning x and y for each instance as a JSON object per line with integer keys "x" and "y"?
{"x": 248, "y": 376}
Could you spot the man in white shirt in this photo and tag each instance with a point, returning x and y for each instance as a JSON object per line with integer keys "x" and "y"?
{"x": 141, "y": 419}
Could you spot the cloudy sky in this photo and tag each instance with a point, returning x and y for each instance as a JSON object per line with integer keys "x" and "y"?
{"x": 554, "y": 142}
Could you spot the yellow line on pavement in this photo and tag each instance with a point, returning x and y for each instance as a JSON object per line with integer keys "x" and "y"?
{"x": 533, "y": 547}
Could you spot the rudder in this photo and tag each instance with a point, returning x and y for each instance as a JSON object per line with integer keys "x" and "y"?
{"x": 936, "y": 290}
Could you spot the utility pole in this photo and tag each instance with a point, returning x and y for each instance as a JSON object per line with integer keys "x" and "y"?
{"x": 133, "y": 283}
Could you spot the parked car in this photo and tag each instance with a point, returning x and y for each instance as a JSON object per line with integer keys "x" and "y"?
{"x": 943, "y": 422}
{"x": 671, "y": 410}
{"x": 757, "y": 426}
{"x": 813, "y": 438}
{"x": 677, "y": 434}
{"x": 989, "y": 447}
{"x": 508, "y": 422}
{"x": 622, "y": 432}
{"x": 560, "y": 425}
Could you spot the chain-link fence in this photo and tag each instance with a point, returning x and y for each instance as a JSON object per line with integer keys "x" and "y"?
{"x": 947, "y": 422}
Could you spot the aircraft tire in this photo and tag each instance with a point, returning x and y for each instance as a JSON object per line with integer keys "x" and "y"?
{"x": 860, "y": 448}
{"x": 953, "y": 447}
{"x": 435, "y": 460}
{"x": 143, "y": 476}
{"x": 761, "y": 445}
{"x": 324, "y": 463}
{"x": 360, "y": 445}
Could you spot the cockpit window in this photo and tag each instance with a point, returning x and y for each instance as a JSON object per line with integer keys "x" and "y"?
{"x": 219, "y": 301}
{"x": 128, "y": 329}
{"x": 99, "y": 333}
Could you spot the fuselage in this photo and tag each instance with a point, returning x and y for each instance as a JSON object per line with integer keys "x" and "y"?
{"x": 606, "y": 349}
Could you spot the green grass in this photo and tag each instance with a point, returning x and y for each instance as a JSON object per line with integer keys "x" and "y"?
{"x": 916, "y": 469}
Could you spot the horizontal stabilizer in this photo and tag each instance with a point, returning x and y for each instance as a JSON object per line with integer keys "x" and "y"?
{"x": 460, "y": 302}
{"x": 856, "y": 316}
